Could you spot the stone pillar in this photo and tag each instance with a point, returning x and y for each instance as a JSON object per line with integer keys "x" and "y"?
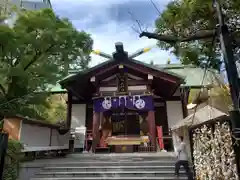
{"x": 95, "y": 130}
{"x": 152, "y": 128}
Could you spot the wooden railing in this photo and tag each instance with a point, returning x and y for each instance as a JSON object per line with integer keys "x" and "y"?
{"x": 167, "y": 141}
{"x": 146, "y": 149}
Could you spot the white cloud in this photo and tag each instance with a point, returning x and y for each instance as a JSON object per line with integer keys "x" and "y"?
{"x": 104, "y": 3}
{"x": 96, "y": 18}
{"x": 106, "y": 36}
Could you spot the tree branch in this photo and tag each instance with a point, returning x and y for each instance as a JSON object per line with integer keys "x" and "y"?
{"x": 167, "y": 39}
{"x": 2, "y": 90}
{"x": 171, "y": 39}
{"x": 155, "y": 6}
{"x": 203, "y": 34}
{"x": 137, "y": 21}
{"x": 37, "y": 55}
{"x": 15, "y": 79}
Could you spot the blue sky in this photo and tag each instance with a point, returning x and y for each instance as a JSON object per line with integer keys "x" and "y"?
{"x": 108, "y": 21}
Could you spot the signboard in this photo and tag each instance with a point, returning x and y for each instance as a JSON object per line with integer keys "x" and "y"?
{"x": 122, "y": 82}
{"x": 160, "y": 137}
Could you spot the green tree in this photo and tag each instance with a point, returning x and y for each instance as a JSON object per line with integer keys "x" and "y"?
{"x": 182, "y": 18}
{"x": 57, "y": 108}
{"x": 218, "y": 97}
{"x": 36, "y": 52}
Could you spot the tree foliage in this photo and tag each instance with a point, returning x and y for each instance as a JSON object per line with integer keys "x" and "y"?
{"x": 12, "y": 160}
{"x": 56, "y": 109}
{"x": 218, "y": 97}
{"x": 182, "y": 18}
{"x": 36, "y": 52}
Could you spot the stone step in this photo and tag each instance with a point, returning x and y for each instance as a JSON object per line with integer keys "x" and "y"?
{"x": 137, "y": 156}
{"x": 111, "y": 178}
{"x": 122, "y": 159}
{"x": 110, "y": 166}
{"x": 150, "y": 154}
{"x": 119, "y": 173}
{"x": 106, "y": 168}
{"x": 127, "y": 162}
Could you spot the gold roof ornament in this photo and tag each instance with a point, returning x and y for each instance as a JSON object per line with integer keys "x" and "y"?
{"x": 169, "y": 61}
{"x": 97, "y": 52}
{"x": 146, "y": 49}
{"x": 120, "y": 66}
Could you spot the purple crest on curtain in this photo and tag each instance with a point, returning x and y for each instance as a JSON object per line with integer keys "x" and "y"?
{"x": 143, "y": 103}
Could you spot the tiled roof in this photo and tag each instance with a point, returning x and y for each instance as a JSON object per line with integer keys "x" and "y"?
{"x": 57, "y": 89}
{"x": 194, "y": 75}
{"x": 159, "y": 68}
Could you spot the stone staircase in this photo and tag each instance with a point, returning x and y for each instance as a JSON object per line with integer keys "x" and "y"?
{"x": 111, "y": 166}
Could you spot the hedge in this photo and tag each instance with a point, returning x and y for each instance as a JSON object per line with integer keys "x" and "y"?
{"x": 12, "y": 161}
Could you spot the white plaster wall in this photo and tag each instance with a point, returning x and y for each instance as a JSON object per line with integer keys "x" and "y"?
{"x": 130, "y": 88}
{"x": 174, "y": 114}
{"x": 60, "y": 140}
{"x": 32, "y": 135}
{"x": 78, "y": 116}
{"x": 78, "y": 123}
{"x": 37, "y": 138}
{"x": 79, "y": 137}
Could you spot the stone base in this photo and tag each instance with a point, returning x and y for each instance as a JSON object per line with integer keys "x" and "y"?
{"x": 78, "y": 150}
{"x": 124, "y": 148}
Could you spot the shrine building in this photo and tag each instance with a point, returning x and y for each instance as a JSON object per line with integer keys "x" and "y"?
{"x": 127, "y": 105}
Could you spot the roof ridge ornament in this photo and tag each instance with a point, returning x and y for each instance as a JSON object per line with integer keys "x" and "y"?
{"x": 119, "y": 47}
{"x": 120, "y": 54}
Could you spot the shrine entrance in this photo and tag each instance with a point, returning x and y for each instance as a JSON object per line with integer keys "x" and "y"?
{"x": 125, "y": 122}
{"x": 124, "y": 129}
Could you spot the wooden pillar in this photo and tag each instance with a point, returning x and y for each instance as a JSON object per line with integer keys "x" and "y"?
{"x": 184, "y": 99}
{"x": 69, "y": 110}
{"x": 152, "y": 128}
{"x": 95, "y": 130}
{"x": 69, "y": 119}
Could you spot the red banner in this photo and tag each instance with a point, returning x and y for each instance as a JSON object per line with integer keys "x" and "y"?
{"x": 160, "y": 137}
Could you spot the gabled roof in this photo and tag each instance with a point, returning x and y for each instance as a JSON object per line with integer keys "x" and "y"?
{"x": 162, "y": 78}
{"x": 191, "y": 74}
{"x": 201, "y": 116}
{"x": 82, "y": 73}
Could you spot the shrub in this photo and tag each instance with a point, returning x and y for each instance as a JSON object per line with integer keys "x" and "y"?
{"x": 12, "y": 161}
